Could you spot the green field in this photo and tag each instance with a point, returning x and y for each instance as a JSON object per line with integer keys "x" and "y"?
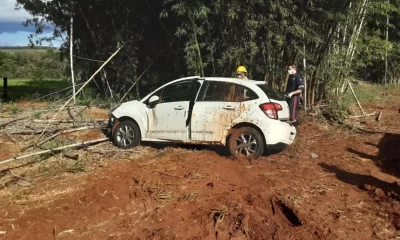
{"x": 26, "y": 88}
{"x": 27, "y": 50}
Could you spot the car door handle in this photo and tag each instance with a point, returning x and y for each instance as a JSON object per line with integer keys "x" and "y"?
{"x": 179, "y": 108}
{"x": 229, "y": 108}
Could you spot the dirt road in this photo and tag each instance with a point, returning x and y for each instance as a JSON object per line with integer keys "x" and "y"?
{"x": 332, "y": 184}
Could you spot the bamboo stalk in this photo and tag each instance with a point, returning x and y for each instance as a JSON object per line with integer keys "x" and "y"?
{"x": 84, "y": 85}
{"x": 365, "y": 115}
{"x": 386, "y": 47}
{"x": 53, "y": 150}
{"x": 56, "y": 135}
{"x": 12, "y": 121}
{"x": 71, "y": 49}
{"x": 69, "y": 121}
{"x": 138, "y": 79}
{"x": 305, "y": 75}
{"x": 355, "y": 96}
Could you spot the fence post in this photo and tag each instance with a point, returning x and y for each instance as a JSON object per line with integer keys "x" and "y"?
{"x": 5, "y": 88}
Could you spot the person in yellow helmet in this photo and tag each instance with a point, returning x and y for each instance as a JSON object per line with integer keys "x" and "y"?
{"x": 242, "y": 72}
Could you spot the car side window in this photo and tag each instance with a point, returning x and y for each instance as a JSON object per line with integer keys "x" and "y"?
{"x": 228, "y": 92}
{"x": 177, "y": 92}
{"x": 243, "y": 94}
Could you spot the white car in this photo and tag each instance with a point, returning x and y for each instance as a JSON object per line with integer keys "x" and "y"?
{"x": 247, "y": 116}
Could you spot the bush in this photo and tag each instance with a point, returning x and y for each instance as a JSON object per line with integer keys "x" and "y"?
{"x": 336, "y": 111}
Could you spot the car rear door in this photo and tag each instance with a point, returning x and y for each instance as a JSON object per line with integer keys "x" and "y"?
{"x": 214, "y": 111}
{"x": 168, "y": 119}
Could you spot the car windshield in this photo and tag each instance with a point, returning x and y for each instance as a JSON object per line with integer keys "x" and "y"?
{"x": 271, "y": 93}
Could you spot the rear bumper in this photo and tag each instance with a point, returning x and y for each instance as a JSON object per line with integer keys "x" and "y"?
{"x": 279, "y": 134}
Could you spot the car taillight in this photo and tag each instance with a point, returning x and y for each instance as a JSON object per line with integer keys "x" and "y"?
{"x": 271, "y": 109}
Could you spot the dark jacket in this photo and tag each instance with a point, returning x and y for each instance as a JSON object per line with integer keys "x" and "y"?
{"x": 294, "y": 83}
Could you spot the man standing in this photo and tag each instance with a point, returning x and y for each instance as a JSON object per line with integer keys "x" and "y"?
{"x": 294, "y": 89}
{"x": 242, "y": 72}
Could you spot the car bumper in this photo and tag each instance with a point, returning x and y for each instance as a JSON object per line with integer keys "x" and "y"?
{"x": 111, "y": 122}
{"x": 279, "y": 134}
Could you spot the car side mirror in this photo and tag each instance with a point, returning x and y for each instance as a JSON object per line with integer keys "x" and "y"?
{"x": 154, "y": 100}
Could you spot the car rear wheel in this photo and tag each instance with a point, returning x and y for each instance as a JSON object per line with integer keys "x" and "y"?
{"x": 246, "y": 142}
{"x": 126, "y": 134}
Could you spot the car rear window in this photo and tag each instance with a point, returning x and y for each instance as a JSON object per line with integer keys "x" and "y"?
{"x": 271, "y": 93}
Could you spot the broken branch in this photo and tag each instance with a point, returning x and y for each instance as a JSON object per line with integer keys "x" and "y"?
{"x": 70, "y": 114}
{"x": 84, "y": 85}
{"x": 82, "y": 144}
{"x": 365, "y": 115}
{"x": 379, "y": 116}
{"x": 56, "y": 135}
{"x": 12, "y": 121}
{"x": 69, "y": 121}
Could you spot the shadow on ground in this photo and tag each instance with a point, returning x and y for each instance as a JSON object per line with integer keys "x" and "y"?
{"x": 388, "y": 158}
{"x": 220, "y": 150}
{"x": 364, "y": 182}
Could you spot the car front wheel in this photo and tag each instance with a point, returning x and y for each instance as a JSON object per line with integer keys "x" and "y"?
{"x": 246, "y": 142}
{"x": 126, "y": 134}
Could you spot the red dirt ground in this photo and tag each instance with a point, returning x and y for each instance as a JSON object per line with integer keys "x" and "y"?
{"x": 331, "y": 184}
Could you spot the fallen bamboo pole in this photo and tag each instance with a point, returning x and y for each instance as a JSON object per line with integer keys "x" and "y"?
{"x": 84, "y": 85}
{"x": 365, "y": 115}
{"x": 54, "y": 150}
{"x": 355, "y": 96}
{"x": 12, "y": 121}
{"x": 69, "y": 121}
{"x": 58, "y": 134}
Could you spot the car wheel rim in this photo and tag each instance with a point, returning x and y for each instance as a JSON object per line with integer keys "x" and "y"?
{"x": 125, "y": 135}
{"x": 246, "y": 144}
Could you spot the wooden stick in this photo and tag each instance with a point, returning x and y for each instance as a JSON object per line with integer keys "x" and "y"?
{"x": 354, "y": 94}
{"x": 82, "y": 144}
{"x": 69, "y": 121}
{"x": 379, "y": 116}
{"x": 12, "y": 121}
{"x": 31, "y": 132}
{"x": 365, "y": 115}
{"x": 56, "y": 135}
{"x": 70, "y": 114}
{"x": 84, "y": 85}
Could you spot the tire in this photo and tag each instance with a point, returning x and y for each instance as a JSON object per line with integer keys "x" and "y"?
{"x": 126, "y": 134}
{"x": 253, "y": 150}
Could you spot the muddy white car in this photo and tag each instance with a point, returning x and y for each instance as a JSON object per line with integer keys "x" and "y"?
{"x": 246, "y": 116}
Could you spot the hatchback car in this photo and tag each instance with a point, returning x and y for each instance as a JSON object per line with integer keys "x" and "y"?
{"x": 246, "y": 116}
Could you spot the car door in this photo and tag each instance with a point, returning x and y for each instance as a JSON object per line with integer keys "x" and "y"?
{"x": 167, "y": 120}
{"x": 215, "y": 109}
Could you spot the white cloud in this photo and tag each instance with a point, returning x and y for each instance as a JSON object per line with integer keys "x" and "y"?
{"x": 9, "y": 14}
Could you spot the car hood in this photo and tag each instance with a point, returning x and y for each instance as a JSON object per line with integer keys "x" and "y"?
{"x": 126, "y": 108}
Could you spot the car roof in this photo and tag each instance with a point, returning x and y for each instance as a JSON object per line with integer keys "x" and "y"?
{"x": 235, "y": 80}
{"x": 220, "y": 79}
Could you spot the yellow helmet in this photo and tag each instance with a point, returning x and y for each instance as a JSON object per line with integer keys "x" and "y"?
{"x": 241, "y": 69}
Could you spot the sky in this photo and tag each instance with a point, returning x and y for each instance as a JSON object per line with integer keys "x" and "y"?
{"x": 12, "y": 32}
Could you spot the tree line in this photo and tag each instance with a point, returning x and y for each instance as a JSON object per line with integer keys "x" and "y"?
{"x": 331, "y": 41}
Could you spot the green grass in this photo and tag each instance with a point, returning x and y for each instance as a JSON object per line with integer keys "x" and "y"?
{"x": 370, "y": 94}
{"x": 29, "y": 89}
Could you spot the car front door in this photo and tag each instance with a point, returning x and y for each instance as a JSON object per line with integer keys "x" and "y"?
{"x": 216, "y": 108}
{"x": 168, "y": 118}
